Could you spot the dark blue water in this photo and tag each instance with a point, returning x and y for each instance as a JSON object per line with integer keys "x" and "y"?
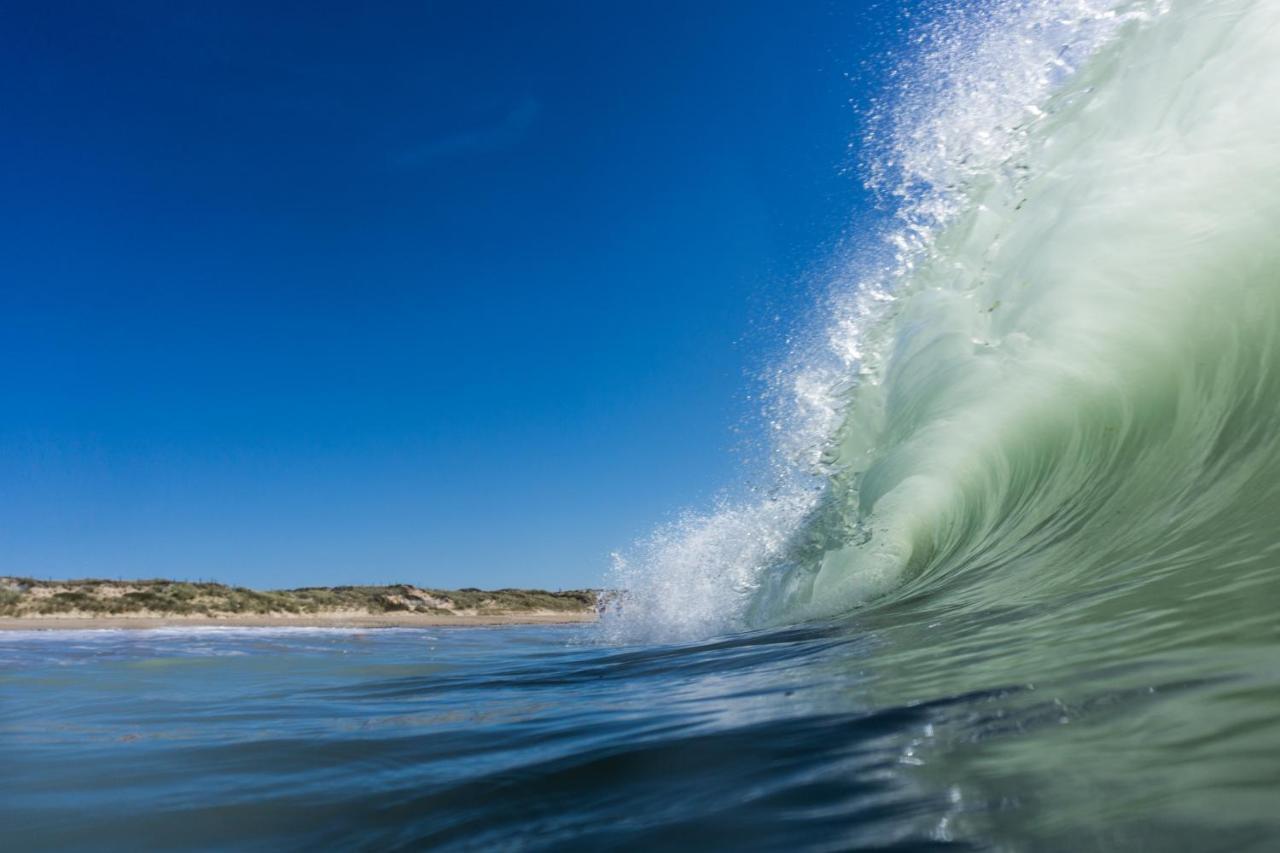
{"x": 511, "y": 738}
{"x": 913, "y": 726}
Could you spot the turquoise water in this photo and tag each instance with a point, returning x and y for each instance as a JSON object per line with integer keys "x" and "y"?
{"x": 1013, "y": 585}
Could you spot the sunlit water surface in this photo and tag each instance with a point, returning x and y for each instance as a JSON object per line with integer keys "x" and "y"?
{"x": 910, "y": 729}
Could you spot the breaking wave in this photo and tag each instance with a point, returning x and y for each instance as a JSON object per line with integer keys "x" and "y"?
{"x": 1056, "y": 367}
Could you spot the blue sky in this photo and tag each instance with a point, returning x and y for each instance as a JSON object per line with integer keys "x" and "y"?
{"x": 459, "y": 294}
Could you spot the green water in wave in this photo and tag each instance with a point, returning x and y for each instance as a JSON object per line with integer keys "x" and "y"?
{"x": 1081, "y": 371}
{"x": 1063, "y": 477}
{"x": 1049, "y": 439}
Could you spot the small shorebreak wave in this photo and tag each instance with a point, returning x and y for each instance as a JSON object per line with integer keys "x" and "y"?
{"x": 1065, "y": 374}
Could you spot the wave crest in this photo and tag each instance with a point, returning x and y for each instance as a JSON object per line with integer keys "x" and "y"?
{"x": 1066, "y": 372}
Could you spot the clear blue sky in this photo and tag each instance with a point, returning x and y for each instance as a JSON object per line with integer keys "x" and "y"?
{"x": 461, "y": 294}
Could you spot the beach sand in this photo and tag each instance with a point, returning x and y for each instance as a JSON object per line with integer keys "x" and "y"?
{"x": 317, "y": 620}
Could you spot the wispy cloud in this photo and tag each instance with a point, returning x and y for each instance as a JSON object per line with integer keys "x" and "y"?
{"x": 506, "y": 133}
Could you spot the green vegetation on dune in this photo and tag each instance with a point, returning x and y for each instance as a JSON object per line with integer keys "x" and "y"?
{"x": 30, "y": 597}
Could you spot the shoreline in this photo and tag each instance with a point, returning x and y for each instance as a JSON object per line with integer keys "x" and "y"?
{"x": 315, "y": 620}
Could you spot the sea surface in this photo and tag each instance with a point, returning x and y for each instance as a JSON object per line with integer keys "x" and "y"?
{"x": 1011, "y": 582}
{"x": 915, "y": 728}
{"x": 496, "y": 738}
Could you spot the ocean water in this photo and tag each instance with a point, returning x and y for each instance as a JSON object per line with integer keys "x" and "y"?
{"x": 1013, "y": 584}
{"x": 904, "y": 730}
{"x": 485, "y": 738}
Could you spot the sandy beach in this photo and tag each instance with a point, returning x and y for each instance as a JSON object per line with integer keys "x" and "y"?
{"x": 28, "y": 604}
{"x": 386, "y": 620}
